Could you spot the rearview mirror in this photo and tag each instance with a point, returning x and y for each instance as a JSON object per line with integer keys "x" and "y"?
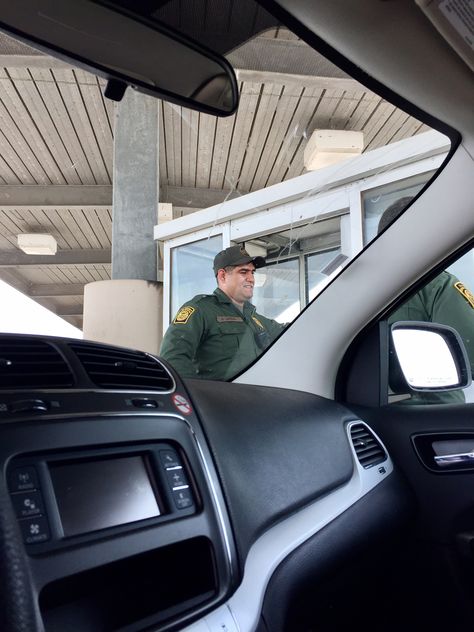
{"x": 127, "y": 50}
{"x": 431, "y": 357}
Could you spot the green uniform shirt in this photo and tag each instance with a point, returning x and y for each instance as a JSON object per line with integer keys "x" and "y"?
{"x": 447, "y": 301}
{"x": 211, "y": 338}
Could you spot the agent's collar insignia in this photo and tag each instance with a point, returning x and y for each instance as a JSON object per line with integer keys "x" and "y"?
{"x": 184, "y": 315}
{"x": 468, "y": 295}
{"x": 255, "y": 320}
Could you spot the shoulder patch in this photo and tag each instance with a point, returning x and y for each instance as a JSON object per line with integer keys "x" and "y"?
{"x": 184, "y": 315}
{"x": 467, "y": 294}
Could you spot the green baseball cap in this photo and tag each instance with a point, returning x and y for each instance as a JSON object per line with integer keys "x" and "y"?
{"x": 235, "y": 256}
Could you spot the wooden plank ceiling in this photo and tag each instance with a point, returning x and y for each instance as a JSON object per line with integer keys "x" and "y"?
{"x": 56, "y": 159}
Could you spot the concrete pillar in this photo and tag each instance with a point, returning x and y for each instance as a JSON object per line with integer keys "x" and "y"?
{"x": 124, "y": 312}
{"x": 135, "y": 188}
{"x": 128, "y": 310}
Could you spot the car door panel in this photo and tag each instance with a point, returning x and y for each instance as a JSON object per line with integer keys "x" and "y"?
{"x": 444, "y": 521}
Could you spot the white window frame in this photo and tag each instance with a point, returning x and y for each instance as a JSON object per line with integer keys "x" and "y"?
{"x": 199, "y": 235}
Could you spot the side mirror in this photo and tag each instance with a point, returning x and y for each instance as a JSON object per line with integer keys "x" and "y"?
{"x": 427, "y": 357}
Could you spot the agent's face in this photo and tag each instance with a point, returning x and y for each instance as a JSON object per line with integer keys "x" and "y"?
{"x": 238, "y": 282}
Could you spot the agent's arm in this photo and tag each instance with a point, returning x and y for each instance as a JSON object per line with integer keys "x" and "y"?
{"x": 182, "y": 339}
{"x": 452, "y": 304}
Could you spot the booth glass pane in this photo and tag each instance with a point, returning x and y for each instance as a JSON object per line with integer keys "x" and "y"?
{"x": 191, "y": 270}
{"x": 377, "y": 200}
{"x": 277, "y": 290}
{"x": 316, "y": 275}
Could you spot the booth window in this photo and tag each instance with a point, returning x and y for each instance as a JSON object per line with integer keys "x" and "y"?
{"x": 277, "y": 290}
{"x": 191, "y": 270}
{"x": 375, "y": 201}
{"x": 318, "y": 270}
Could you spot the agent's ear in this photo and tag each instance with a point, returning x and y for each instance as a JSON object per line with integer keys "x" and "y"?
{"x": 221, "y": 274}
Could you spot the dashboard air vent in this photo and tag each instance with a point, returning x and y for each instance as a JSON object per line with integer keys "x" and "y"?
{"x": 32, "y": 364}
{"x": 116, "y": 368}
{"x": 368, "y": 449}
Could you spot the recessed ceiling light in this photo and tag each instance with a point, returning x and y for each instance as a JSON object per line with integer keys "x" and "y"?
{"x": 37, "y": 244}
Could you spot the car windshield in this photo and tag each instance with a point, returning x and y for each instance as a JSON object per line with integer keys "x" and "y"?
{"x": 236, "y": 223}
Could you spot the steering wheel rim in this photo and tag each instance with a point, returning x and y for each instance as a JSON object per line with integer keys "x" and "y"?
{"x": 18, "y": 610}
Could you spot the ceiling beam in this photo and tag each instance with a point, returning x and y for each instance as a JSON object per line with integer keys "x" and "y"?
{"x": 41, "y": 290}
{"x": 17, "y": 258}
{"x": 71, "y": 310}
{"x": 74, "y": 320}
{"x": 45, "y": 290}
{"x": 9, "y": 277}
{"x": 288, "y": 56}
{"x": 257, "y": 73}
{"x": 60, "y": 310}
{"x": 40, "y": 195}
{"x": 288, "y": 62}
{"x": 98, "y": 196}
{"x": 32, "y": 61}
{"x": 196, "y": 198}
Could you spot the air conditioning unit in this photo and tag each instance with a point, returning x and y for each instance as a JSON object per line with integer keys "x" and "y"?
{"x": 330, "y": 146}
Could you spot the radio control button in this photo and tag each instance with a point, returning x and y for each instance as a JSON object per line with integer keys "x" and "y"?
{"x": 182, "y": 498}
{"x": 23, "y": 479}
{"x": 27, "y": 504}
{"x": 169, "y": 458}
{"x": 176, "y": 477}
{"x": 35, "y": 530}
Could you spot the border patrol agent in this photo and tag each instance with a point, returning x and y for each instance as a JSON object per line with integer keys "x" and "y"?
{"x": 215, "y": 336}
{"x": 444, "y": 300}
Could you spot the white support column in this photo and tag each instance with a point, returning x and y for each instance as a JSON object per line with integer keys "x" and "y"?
{"x": 356, "y": 231}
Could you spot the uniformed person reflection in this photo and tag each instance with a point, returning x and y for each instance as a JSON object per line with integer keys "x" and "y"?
{"x": 446, "y": 300}
{"x": 216, "y": 335}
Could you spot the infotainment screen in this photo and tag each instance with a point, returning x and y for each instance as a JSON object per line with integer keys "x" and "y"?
{"x": 94, "y": 495}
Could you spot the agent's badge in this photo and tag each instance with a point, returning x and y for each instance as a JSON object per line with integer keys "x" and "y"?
{"x": 468, "y": 295}
{"x": 184, "y": 315}
{"x": 255, "y": 320}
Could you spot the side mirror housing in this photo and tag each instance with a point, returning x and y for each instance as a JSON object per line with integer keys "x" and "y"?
{"x": 427, "y": 357}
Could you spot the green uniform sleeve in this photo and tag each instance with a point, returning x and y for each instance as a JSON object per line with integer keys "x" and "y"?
{"x": 451, "y": 303}
{"x": 272, "y": 327}
{"x": 182, "y": 339}
{"x": 276, "y": 328}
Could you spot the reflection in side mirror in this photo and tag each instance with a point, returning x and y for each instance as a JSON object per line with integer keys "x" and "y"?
{"x": 431, "y": 357}
{"x": 127, "y": 49}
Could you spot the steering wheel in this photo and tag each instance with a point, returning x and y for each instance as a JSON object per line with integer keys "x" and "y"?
{"x": 18, "y": 611}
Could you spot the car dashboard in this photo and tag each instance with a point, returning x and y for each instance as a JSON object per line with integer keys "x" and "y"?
{"x": 137, "y": 501}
